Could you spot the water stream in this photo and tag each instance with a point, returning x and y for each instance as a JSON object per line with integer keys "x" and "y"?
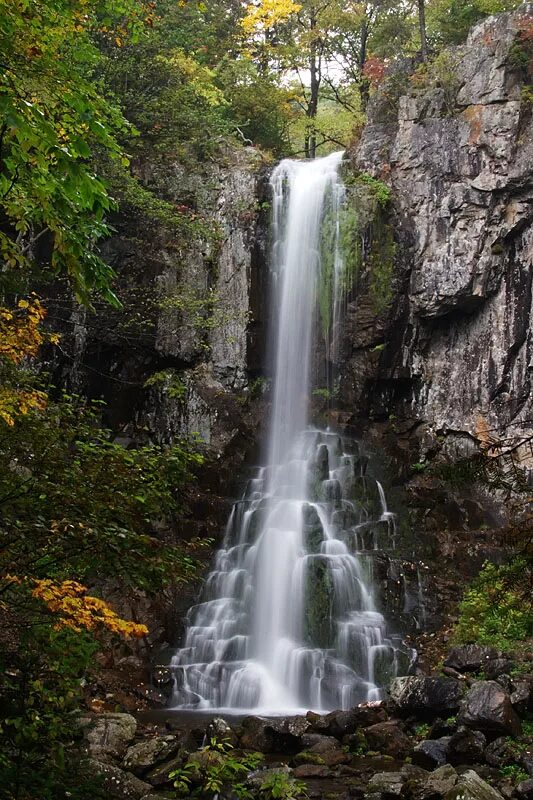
{"x": 288, "y": 621}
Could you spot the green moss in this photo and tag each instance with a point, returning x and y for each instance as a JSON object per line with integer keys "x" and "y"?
{"x": 318, "y": 626}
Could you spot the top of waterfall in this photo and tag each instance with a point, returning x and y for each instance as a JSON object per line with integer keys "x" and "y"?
{"x": 325, "y": 164}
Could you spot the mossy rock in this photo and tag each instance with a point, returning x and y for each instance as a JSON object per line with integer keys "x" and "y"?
{"x": 319, "y": 629}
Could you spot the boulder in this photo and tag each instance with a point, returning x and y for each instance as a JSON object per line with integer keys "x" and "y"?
{"x": 107, "y": 736}
{"x": 471, "y": 787}
{"x": 388, "y": 738}
{"x": 431, "y": 753}
{"x": 256, "y": 778}
{"x": 426, "y": 697}
{"x": 145, "y": 755}
{"x": 466, "y": 746}
{"x": 437, "y": 784}
{"x": 158, "y": 776}
{"x": 470, "y": 657}
{"x": 222, "y": 731}
{"x": 316, "y": 743}
{"x": 499, "y": 753}
{"x": 522, "y": 694}
{"x": 487, "y": 707}
{"x": 497, "y": 667}
{"x": 526, "y": 761}
{"x": 118, "y": 784}
{"x": 341, "y": 723}
{"x": 385, "y": 784}
{"x": 282, "y": 735}
{"x": 311, "y": 771}
{"x": 524, "y": 790}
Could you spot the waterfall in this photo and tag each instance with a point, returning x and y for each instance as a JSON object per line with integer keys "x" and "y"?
{"x": 288, "y": 620}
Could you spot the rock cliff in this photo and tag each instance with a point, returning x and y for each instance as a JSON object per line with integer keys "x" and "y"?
{"x": 449, "y": 362}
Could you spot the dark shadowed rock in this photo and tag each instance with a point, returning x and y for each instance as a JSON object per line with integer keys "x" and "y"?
{"x": 311, "y": 771}
{"x": 221, "y": 730}
{"x": 487, "y": 707}
{"x": 317, "y": 743}
{"x": 282, "y": 735}
{"x": 425, "y": 697}
{"x": 466, "y": 746}
{"x": 388, "y": 738}
{"x": 437, "y": 784}
{"x": 497, "y": 667}
{"x": 470, "y": 657}
{"x": 522, "y": 694}
{"x": 524, "y": 790}
{"x": 341, "y": 723}
{"x": 499, "y": 753}
{"x": 431, "y": 753}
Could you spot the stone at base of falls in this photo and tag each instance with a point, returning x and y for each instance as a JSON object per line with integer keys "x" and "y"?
{"x": 142, "y": 757}
{"x": 487, "y": 707}
{"x": 524, "y": 790}
{"x": 385, "y": 784}
{"x": 256, "y": 779}
{"x": 107, "y": 736}
{"x": 119, "y": 784}
{"x": 471, "y": 787}
{"x": 470, "y": 657}
{"x": 438, "y": 783}
{"x": 466, "y": 747}
{"x": 316, "y": 743}
{"x": 388, "y": 738}
{"x": 426, "y": 697}
{"x": 272, "y": 735}
{"x": 431, "y": 753}
{"x": 342, "y": 723}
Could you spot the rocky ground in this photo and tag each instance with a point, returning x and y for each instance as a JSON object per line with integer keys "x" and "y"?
{"x": 464, "y": 734}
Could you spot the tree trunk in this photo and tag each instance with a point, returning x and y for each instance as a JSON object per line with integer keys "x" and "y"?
{"x": 422, "y": 26}
{"x": 314, "y": 88}
{"x": 363, "y": 81}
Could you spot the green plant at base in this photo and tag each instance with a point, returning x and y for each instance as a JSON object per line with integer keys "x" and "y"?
{"x": 515, "y": 773}
{"x": 497, "y": 609}
{"x": 279, "y": 786}
{"x": 215, "y": 769}
{"x": 422, "y": 730}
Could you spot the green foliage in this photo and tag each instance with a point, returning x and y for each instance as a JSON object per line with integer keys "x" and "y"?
{"x": 379, "y": 190}
{"x": 169, "y": 383}
{"x": 422, "y": 731}
{"x": 53, "y": 119}
{"x": 41, "y": 689}
{"x": 497, "y": 608}
{"x": 215, "y": 770}
{"x": 439, "y": 73}
{"x": 449, "y": 21}
{"x": 515, "y": 773}
{"x": 279, "y": 786}
{"x": 381, "y": 264}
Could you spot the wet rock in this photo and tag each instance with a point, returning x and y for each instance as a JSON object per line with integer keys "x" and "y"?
{"x": 335, "y": 757}
{"x": 385, "y": 784}
{"x": 499, "y": 753}
{"x": 470, "y": 657}
{"x": 437, "y": 784}
{"x": 107, "y": 736}
{"x": 118, "y": 784}
{"x": 388, "y": 738}
{"x": 497, "y": 667}
{"x": 158, "y": 776}
{"x": 306, "y": 757}
{"x": 487, "y": 707}
{"x": 526, "y": 761}
{"x": 431, "y": 753}
{"x": 258, "y": 777}
{"x": 220, "y": 730}
{"x": 342, "y": 723}
{"x": 471, "y": 787}
{"x": 524, "y": 790}
{"x": 466, "y": 746}
{"x": 311, "y": 771}
{"x": 163, "y": 680}
{"x": 316, "y": 743}
{"x": 425, "y": 697}
{"x": 143, "y": 756}
{"x": 273, "y": 735}
{"x": 522, "y": 694}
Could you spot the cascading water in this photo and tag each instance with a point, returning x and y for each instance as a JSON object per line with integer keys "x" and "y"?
{"x": 287, "y": 620}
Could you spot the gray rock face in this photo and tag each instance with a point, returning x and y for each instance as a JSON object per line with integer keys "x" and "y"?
{"x": 119, "y": 784}
{"x": 471, "y": 787}
{"x": 385, "y": 784}
{"x": 107, "y": 736}
{"x": 431, "y": 753}
{"x": 388, "y": 738}
{"x": 488, "y": 707}
{"x": 145, "y": 755}
{"x": 426, "y": 697}
{"x": 457, "y": 335}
